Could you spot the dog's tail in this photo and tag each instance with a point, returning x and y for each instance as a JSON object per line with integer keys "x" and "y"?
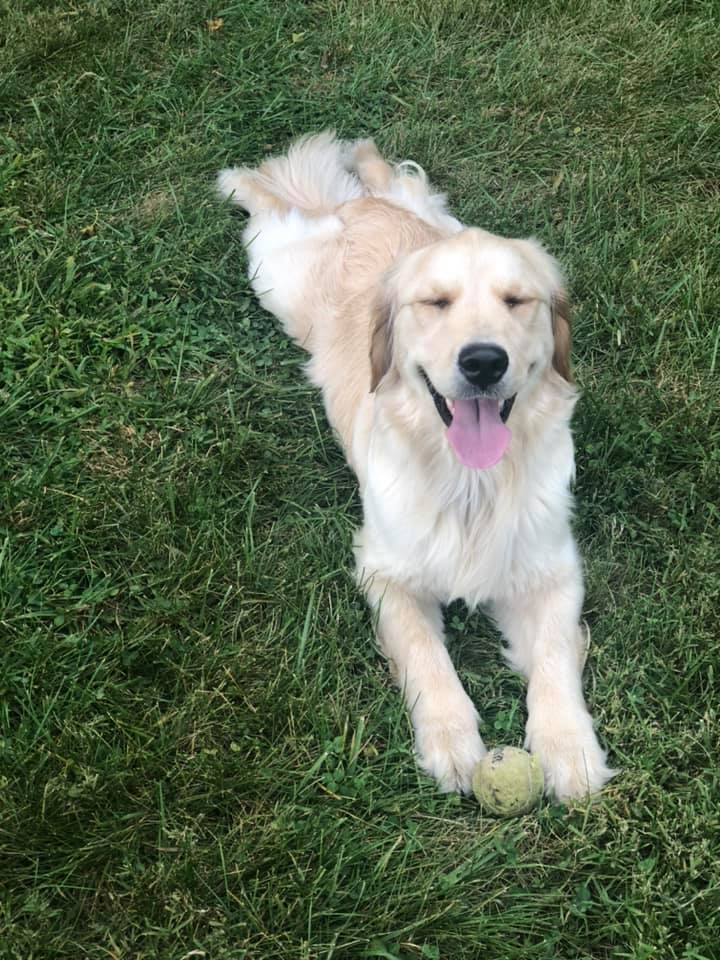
{"x": 311, "y": 176}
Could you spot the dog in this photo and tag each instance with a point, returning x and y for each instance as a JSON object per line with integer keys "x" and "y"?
{"x": 442, "y": 354}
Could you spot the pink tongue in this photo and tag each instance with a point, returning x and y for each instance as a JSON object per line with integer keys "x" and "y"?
{"x": 477, "y": 434}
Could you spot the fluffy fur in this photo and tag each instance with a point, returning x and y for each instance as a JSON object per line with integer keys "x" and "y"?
{"x": 370, "y": 273}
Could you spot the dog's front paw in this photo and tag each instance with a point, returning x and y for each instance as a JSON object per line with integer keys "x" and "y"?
{"x": 448, "y": 745}
{"x": 573, "y": 761}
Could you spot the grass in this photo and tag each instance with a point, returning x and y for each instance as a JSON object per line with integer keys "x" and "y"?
{"x": 200, "y": 752}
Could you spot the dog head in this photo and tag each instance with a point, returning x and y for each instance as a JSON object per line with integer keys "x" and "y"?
{"x": 473, "y": 322}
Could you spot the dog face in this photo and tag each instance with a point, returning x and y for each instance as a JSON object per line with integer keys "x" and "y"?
{"x": 475, "y": 321}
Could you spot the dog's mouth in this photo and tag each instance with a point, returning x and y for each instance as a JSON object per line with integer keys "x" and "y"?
{"x": 476, "y": 426}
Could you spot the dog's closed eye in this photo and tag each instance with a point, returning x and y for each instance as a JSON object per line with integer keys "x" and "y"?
{"x": 512, "y": 300}
{"x": 440, "y": 303}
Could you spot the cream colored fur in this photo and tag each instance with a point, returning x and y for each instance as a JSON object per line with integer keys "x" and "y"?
{"x": 352, "y": 254}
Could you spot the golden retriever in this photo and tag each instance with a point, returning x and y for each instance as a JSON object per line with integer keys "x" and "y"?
{"x": 442, "y": 353}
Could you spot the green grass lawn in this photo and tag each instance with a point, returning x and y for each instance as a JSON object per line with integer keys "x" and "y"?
{"x": 201, "y": 754}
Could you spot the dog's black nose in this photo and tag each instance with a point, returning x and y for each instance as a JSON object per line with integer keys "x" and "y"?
{"x": 483, "y": 364}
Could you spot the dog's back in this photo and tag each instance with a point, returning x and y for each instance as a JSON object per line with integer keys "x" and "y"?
{"x": 298, "y": 206}
{"x": 327, "y": 219}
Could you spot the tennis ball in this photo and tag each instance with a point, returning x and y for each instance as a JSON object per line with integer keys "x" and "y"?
{"x": 508, "y": 781}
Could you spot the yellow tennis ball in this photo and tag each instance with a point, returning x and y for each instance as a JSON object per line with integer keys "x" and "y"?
{"x": 508, "y": 781}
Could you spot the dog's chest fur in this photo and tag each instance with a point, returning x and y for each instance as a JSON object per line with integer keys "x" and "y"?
{"x": 458, "y": 533}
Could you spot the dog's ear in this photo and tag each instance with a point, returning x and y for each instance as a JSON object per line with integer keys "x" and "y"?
{"x": 381, "y": 333}
{"x": 549, "y": 270}
{"x": 561, "y": 332}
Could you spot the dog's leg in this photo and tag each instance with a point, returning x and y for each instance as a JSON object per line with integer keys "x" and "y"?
{"x": 374, "y": 172}
{"x": 402, "y": 181}
{"x": 549, "y": 647}
{"x": 410, "y": 633}
{"x": 406, "y": 184}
